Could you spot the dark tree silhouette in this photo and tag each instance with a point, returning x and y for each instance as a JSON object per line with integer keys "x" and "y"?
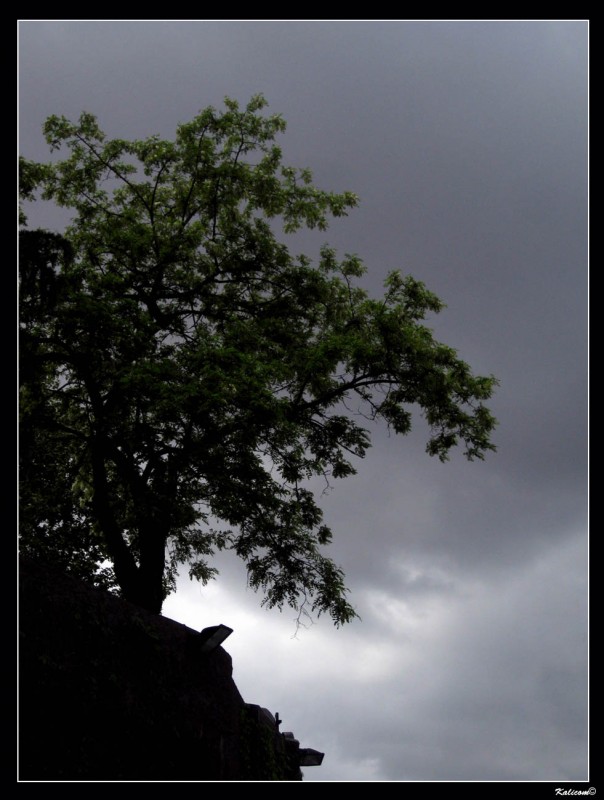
{"x": 185, "y": 375}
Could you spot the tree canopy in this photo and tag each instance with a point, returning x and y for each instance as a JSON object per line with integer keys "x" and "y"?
{"x": 185, "y": 377}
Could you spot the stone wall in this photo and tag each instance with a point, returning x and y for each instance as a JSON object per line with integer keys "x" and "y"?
{"x": 110, "y": 692}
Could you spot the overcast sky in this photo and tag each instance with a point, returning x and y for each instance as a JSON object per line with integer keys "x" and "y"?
{"x": 467, "y": 144}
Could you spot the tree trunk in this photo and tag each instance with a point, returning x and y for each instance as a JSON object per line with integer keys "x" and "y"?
{"x": 124, "y": 564}
{"x": 141, "y": 584}
{"x": 151, "y": 569}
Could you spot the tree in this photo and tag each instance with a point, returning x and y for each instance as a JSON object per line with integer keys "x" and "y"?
{"x": 186, "y": 376}
{"x": 51, "y": 526}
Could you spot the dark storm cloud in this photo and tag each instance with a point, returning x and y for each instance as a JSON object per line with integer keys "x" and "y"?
{"x": 462, "y": 680}
{"x": 466, "y": 143}
{"x": 487, "y": 685}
